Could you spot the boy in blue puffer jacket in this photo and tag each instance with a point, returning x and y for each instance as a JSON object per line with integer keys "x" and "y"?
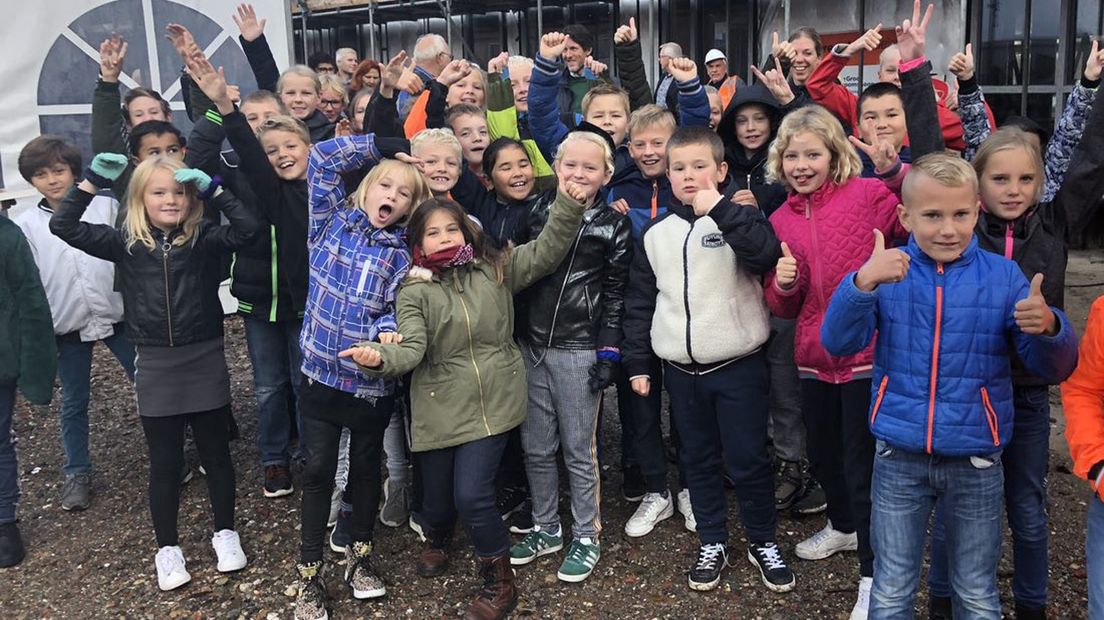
{"x": 947, "y": 315}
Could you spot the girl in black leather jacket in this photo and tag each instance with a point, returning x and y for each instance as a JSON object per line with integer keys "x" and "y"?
{"x": 168, "y": 259}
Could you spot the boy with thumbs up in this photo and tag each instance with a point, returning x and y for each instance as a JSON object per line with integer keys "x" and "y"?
{"x": 949, "y": 318}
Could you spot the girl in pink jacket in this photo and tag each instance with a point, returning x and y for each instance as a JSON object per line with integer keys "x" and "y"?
{"x": 828, "y": 227}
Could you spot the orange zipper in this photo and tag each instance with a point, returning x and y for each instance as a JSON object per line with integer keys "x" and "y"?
{"x": 935, "y": 353}
{"x": 991, "y": 416}
{"x": 878, "y": 401}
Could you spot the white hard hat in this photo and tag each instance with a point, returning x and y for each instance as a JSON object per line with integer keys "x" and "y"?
{"x": 714, "y": 54}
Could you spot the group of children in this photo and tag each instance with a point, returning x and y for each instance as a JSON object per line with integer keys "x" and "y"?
{"x": 809, "y": 275}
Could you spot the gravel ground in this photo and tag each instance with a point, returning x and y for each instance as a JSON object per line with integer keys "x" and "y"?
{"x": 99, "y": 563}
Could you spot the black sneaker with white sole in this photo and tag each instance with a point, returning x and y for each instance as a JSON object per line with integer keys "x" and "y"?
{"x": 705, "y": 574}
{"x": 776, "y": 574}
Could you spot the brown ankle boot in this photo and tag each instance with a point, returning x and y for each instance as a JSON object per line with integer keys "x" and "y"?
{"x": 433, "y": 560}
{"x": 499, "y": 596}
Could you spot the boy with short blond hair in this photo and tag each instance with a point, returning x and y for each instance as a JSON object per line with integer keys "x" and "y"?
{"x": 949, "y": 317}
{"x": 695, "y": 274}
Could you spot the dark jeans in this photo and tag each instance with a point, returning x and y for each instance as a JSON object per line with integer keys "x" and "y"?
{"x": 841, "y": 454}
{"x": 165, "y": 439}
{"x": 1025, "y": 480}
{"x": 74, "y": 371}
{"x": 511, "y": 471}
{"x": 461, "y": 479}
{"x": 321, "y": 438}
{"x": 9, "y": 467}
{"x": 274, "y": 354}
{"x": 641, "y": 414}
{"x": 721, "y": 419}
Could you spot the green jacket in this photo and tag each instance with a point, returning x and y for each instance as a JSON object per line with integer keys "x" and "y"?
{"x": 457, "y": 328}
{"x": 28, "y": 351}
{"x": 504, "y": 121}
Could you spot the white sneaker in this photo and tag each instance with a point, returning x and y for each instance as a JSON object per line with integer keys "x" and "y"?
{"x": 171, "y": 573}
{"x": 653, "y": 509}
{"x": 687, "y": 510}
{"x": 825, "y": 543}
{"x": 227, "y": 546}
{"x": 862, "y": 603}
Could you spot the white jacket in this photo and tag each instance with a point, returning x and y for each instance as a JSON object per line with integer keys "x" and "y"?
{"x": 80, "y": 288}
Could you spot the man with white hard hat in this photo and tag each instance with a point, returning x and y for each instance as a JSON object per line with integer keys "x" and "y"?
{"x": 716, "y": 67}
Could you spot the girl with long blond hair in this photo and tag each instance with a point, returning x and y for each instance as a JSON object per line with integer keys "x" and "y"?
{"x": 169, "y": 265}
{"x": 828, "y": 226}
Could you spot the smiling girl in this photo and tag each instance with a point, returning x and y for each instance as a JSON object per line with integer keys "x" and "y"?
{"x": 300, "y": 90}
{"x": 169, "y": 265}
{"x": 827, "y": 227}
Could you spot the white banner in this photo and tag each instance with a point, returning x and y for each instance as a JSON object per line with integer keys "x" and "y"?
{"x": 52, "y": 52}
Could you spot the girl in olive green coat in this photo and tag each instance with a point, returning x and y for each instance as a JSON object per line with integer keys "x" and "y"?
{"x": 456, "y": 320}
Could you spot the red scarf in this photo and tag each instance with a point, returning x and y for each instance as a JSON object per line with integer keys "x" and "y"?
{"x": 449, "y": 257}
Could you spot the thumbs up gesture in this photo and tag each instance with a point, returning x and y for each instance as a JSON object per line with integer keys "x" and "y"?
{"x": 1033, "y": 315}
{"x": 785, "y": 272}
{"x": 883, "y": 267}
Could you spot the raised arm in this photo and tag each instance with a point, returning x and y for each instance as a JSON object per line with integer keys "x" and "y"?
{"x": 243, "y": 226}
{"x": 256, "y": 48}
{"x": 532, "y": 261}
{"x": 545, "y": 115}
{"x": 107, "y": 115}
{"x": 329, "y": 159}
{"x": 630, "y": 65}
{"x": 1071, "y": 125}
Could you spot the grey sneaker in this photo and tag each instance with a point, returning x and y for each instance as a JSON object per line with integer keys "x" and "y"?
{"x": 76, "y": 493}
{"x": 359, "y": 574}
{"x": 396, "y": 504}
{"x": 789, "y": 484}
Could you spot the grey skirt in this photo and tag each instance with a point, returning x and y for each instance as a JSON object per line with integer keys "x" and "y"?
{"x": 185, "y": 379}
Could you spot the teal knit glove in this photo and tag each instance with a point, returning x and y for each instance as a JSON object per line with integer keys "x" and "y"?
{"x": 194, "y": 176}
{"x": 105, "y": 168}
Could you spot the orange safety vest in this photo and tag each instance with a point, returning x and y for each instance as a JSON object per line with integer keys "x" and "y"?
{"x": 728, "y": 90}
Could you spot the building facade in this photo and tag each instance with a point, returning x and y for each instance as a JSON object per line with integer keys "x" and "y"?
{"x": 1028, "y": 52}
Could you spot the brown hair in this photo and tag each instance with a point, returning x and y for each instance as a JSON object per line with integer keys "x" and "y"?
{"x": 362, "y": 71}
{"x": 693, "y": 136}
{"x": 483, "y": 246}
{"x": 135, "y": 93}
{"x": 808, "y": 33}
{"x": 45, "y": 151}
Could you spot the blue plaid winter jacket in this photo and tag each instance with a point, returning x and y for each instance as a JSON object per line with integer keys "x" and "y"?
{"x": 355, "y": 271}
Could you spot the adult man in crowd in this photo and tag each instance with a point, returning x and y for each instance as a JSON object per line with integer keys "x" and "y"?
{"x": 716, "y": 68}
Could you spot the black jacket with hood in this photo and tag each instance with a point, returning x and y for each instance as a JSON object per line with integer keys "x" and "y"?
{"x": 751, "y": 172}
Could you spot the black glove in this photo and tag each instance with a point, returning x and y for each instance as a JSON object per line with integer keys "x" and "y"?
{"x": 601, "y": 375}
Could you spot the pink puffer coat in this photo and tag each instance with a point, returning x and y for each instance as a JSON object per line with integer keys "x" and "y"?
{"x": 831, "y": 233}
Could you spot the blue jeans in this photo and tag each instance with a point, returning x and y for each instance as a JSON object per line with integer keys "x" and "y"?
{"x": 1094, "y": 550}
{"x": 1025, "y": 481}
{"x": 461, "y": 479}
{"x": 74, "y": 370}
{"x": 274, "y": 354}
{"x": 904, "y": 491}
{"x": 9, "y": 467}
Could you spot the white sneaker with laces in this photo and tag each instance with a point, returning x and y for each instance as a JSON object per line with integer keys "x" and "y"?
{"x": 862, "y": 603}
{"x": 825, "y": 543}
{"x": 687, "y": 510}
{"x": 227, "y": 546}
{"x": 171, "y": 572}
{"x": 653, "y": 509}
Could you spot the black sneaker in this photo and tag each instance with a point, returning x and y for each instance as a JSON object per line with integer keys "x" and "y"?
{"x": 522, "y": 521}
{"x": 789, "y": 484}
{"x": 705, "y": 574}
{"x": 277, "y": 481}
{"x": 767, "y": 557}
{"x": 632, "y": 484}
{"x": 940, "y": 608}
{"x": 812, "y": 501}
{"x": 510, "y": 500}
{"x": 342, "y": 534}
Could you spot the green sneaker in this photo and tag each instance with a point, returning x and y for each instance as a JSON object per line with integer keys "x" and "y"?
{"x": 582, "y": 555}
{"x": 534, "y": 545}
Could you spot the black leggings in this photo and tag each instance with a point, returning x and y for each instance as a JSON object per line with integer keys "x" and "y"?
{"x": 165, "y": 439}
{"x": 367, "y": 420}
